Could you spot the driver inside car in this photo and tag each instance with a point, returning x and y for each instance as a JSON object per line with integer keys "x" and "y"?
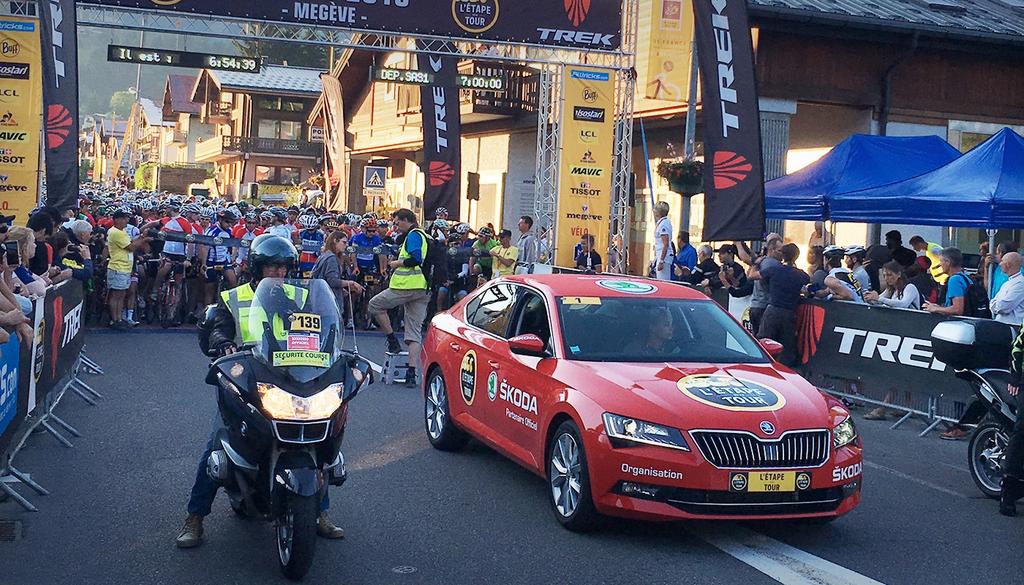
{"x": 269, "y": 257}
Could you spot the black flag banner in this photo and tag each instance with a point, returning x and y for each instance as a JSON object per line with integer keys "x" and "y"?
{"x": 733, "y": 176}
{"x": 442, "y": 134}
{"x": 60, "y": 100}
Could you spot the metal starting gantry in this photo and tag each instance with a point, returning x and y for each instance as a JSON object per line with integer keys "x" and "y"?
{"x": 549, "y": 60}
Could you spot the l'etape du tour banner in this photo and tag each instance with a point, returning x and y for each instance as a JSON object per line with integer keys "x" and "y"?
{"x": 60, "y": 98}
{"x": 585, "y": 170}
{"x": 733, "y": 175}
{"x": 21, "y": 102}
{"x": 442, "y": 134}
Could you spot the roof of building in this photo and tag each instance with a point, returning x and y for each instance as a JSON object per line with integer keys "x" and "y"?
{"x": 114, "y": 127}
{"x": 178, "y": 94}
{"x": 277, "y": 78}
{"x": 153, "y": 114}
{"x": 973, "y": 18}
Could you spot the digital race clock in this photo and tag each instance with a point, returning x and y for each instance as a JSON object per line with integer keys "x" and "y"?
{"x": 169, "y": 58}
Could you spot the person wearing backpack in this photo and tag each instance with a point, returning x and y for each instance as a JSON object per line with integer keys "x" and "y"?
{"x": 963, "y": 297}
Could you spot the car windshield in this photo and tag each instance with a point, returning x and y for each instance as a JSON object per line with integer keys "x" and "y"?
{"x": 622, "y": 329}
{"x": 298, "y": 326}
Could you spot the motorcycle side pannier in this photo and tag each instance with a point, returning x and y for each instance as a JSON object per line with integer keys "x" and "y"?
{"x": 970, "y": 344}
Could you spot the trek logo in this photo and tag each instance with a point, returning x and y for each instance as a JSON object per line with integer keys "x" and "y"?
{"x": 517, "y": 397}
{"x": 58, "y": 125}
{"x": 810, "y": 320}
{"x": 908, "y": 351}
{"x": 576, "y": 37}
{"x": 72, "y": 325}
{"x": 56, "y": 20}
{"x": 440, "y": 173}
{"x": 846, "y": 473}
{"x": 14, "y": 70}
{"x": 13, "y": 136}
{"x": 577, "y": 11}
{"x": 726, "y": 75}
{"x": 730, "y": 169}
{"x": 440, "y": 109}
{"x": 9, "y": 48}
{"x": 585, "y": 114}
{"x": 586, "y": 171}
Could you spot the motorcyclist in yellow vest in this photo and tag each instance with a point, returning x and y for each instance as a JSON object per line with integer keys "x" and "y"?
{"x": 408, "y": 289}
{"x": 269, "y": 257}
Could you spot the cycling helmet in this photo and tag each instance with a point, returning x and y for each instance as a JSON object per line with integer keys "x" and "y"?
{"x": 308, "y": 222}
{"x": 210, "y": 213}
{"x": 227, "y": 215}
{"x": 441, "y": 213}
{"x": 370, "y": 215}
{"x": 440, "y": 224}
{"x": 462, "y": 229}
{"x": 368, "y": 223}
{"x": 267, "y": 216}
{"x": 833, "y": 252}
{"x": 383, "y": 224}
{"x": 329, "y": 223}
{"x": 856, "y": 251}
{"x": 485, "y": 232}
{"x": 270, "y": 250}
{"x": 279, "y": 213}
{"x": 252, "y": 217}
{"x": 191, "y": 208}
{"x": 326, "y": 218}
{"x": 293, "y": 209}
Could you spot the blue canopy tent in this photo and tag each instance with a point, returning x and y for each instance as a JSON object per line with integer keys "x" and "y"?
{"x": 857, "y": 163}
{"x": 982, "y": 189}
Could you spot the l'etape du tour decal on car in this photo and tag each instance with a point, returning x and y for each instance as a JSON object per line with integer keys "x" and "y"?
{"x": 467, "y": 377}
{"x": 730, "y": 393}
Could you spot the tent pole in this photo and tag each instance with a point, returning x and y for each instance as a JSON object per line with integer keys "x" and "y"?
{"x": 992, "y": 268}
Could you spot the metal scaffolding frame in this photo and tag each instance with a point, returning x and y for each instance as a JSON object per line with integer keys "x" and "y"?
{"x": 550, "y": 60}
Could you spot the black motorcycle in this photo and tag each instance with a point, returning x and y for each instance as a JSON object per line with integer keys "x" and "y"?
{"x": 978, "y": 350}
{"x": 284, "y": 403}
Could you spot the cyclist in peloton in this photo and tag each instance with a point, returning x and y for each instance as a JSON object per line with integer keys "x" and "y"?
{"x": 311, "y": 241}
{"x": 173, "y": 252}
{"x": 216, "y": 263}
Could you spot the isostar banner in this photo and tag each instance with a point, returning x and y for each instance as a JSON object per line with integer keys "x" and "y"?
{"x": 584, "y": 24}
{"x": 21, "y": 102}
{"x": 442, "y": 135}
{"x": 60, "y": 98}
{"x": 668, "y": 50}
{"x": 585, "y": 171}
{"x": 733, "y": 176}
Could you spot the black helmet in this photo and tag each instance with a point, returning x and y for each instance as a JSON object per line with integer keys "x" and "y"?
{"x": 269, "y": 250}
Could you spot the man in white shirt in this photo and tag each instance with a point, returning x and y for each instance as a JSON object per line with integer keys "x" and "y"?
{"x": 529, "y": 251}
{"x": 1008, "y": 304}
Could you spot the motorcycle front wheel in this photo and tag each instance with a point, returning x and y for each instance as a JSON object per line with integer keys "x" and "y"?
{"x": 296, "y": 535}
{"x": 985, "y": 455}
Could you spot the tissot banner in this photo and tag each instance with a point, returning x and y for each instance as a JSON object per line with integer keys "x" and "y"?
{"x": 585, "y": 169}
{"x": 733, "y": 176}
{"x": 60, "y": 100}
{"x": 442, "y": 135}
{"x": 21, "y": 102}
{"x": 668, "y": 50}
{"x": 583, "y": 24}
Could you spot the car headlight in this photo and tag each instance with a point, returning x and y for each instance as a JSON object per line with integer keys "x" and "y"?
{"x": 632, "y": 430}
{"x": 844, "y": 433}
{"x": 282, "y": 405}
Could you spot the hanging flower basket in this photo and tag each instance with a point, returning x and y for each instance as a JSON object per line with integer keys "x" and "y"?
{"x": 685, "y": 177}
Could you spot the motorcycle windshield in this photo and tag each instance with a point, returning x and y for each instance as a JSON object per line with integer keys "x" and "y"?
{"x": 298, "y": 327}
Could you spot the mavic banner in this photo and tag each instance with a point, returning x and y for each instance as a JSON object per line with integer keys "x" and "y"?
{"x": 585, "y": 171}
{"x": 582, "y": 24}
{"x": 21, "y": 102}
{"x": 60, "y": 98}
{"x": 668, "y": 51}
{"x": 442, "y": 135}
{"x": 733, "y": 176}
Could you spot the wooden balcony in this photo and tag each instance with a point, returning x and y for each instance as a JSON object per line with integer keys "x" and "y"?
{"x": 223, "y": 147}
{"x": 216, "y": 113}
{"x": 475, "y": 105}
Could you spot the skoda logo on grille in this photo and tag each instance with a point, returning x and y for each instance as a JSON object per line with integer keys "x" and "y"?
{"x": 767, "y": 427}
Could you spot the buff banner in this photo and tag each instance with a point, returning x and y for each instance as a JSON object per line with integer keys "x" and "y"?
{"x": 668, "y": 50}
{"x": 21, "y": 102}
{"x": 585, "y": 175}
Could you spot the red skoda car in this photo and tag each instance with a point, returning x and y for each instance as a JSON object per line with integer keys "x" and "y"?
{"x": 636, "y": 398}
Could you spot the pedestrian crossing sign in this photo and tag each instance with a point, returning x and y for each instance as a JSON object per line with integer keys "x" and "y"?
{"x": 374, "y": 178}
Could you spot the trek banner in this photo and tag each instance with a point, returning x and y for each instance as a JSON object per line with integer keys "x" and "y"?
{"x": 442, "y": 134}
{"x": 585, "y": 171}
{"x": 582, "y": 24}
{"x": 733, "y": 175}
{"x": 668, "y": 39}
{"x": 60, "y": 97}
{"x": 21, "y": 102}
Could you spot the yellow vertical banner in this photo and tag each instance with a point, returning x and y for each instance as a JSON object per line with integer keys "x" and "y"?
{"x": 585, "y": 173}
{"x": 668, "y": 50}
{"x": 21, "y": 103}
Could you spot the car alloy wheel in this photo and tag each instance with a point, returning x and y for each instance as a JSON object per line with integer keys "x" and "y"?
{"x": 441, "y": 430}
{"x": 565, "y": 478}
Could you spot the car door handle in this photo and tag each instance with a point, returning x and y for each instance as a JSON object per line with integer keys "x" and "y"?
{"x": 494, "y": 364}
{"x": 454, "y": 346}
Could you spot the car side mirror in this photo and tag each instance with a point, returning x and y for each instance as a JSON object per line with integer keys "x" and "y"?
{"x": 528, "y": 344}
{"x": 774, "y": 348}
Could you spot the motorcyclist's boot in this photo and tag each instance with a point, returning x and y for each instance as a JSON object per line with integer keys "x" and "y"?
{"x": 191, "y": 534}
{"x": 1013, "y": 490}
{"x": 327, "y": 529}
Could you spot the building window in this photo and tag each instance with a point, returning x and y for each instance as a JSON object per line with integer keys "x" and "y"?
{"x": 269, "y": 103}
{"x": 265, "y": 175}
{"x": 292, "y": 106}
{"x": 290, "y": 176}
{"x": 282, "y": 129}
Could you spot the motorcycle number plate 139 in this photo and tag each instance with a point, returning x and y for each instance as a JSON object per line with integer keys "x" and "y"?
{"x": 305, "y": 322}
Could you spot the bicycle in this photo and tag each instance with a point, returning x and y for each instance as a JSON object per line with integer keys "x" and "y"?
{"x": 172, "y": 296}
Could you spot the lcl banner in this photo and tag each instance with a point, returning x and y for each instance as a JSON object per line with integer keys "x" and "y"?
{"x": 669, "y": 39}
{"x": 583, "y": 24}
{"x": 585, "y": 172}
{"x": 733, "y": 175}
{"x": 442, "y": 134}
{"x": 60, "y": 97}
{"x": 21, "y": 102}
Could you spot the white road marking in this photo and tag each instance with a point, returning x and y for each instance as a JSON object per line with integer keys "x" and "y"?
{"x": 916, "y": 480}
{"x": 780, "y": 561}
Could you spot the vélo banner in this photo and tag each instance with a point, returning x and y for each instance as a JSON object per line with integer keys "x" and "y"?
{"x": 442, "y": 134}
{"x": 60, "y": 98}
{"x": 733, "y": 175}
{"x": 585, "y": 171}
{"x": 21, "y": 101}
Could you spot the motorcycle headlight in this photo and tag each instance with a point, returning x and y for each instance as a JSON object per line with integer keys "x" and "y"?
{"x": 622, "y": 428}
{"x": 282, "y": 405}
{"x": 844, "y": 433}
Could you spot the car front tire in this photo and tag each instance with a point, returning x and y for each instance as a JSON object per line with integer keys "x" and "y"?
{"x": 569, "y": 480}
{"x": 441, "y": 430}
